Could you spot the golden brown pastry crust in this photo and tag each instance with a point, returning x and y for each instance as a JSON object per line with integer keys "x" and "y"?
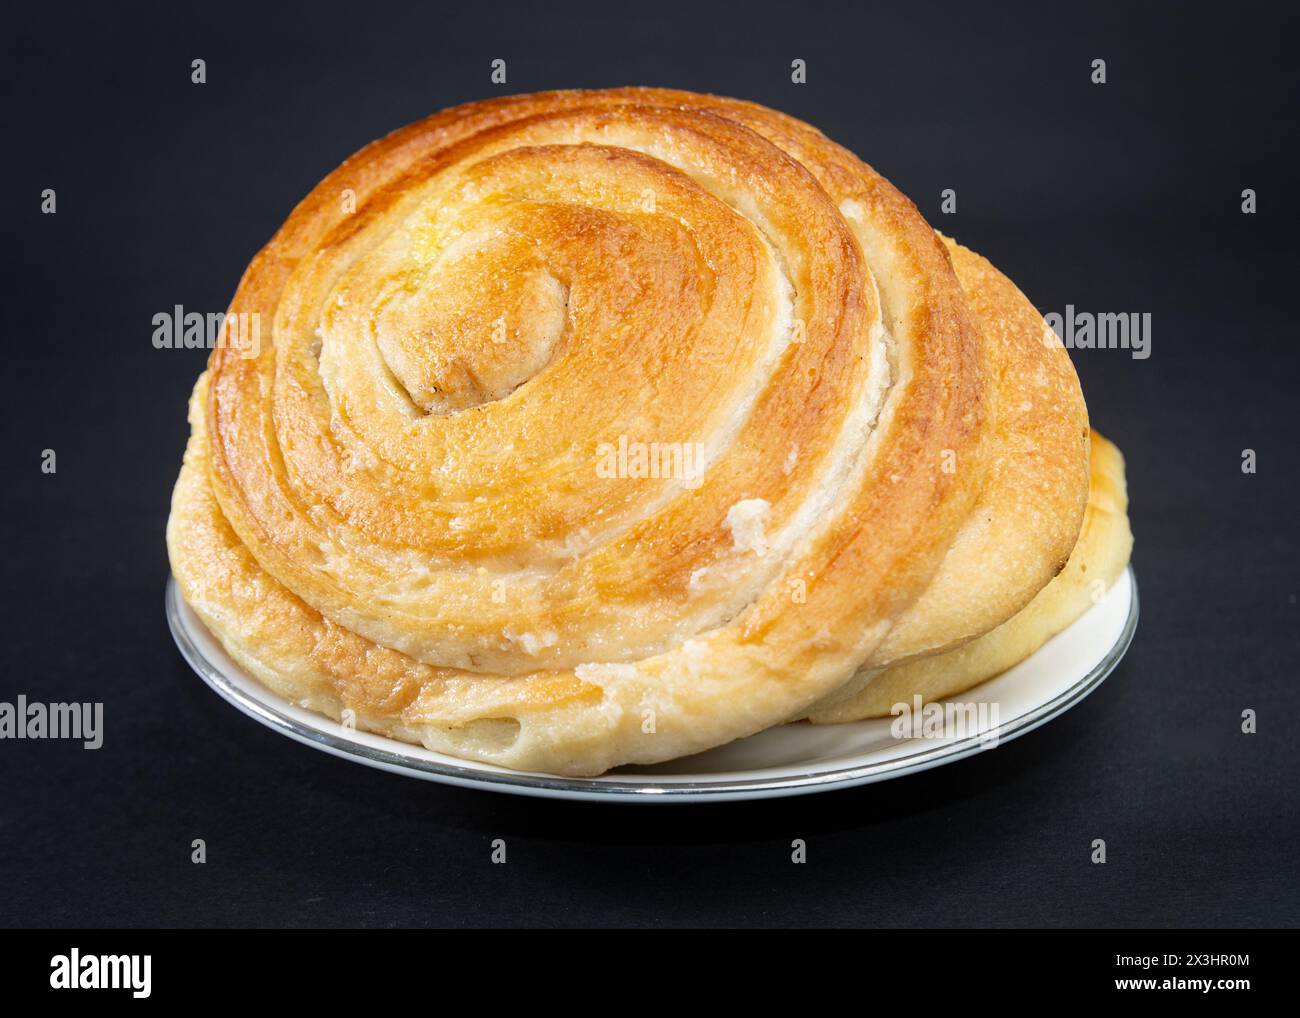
{"x": 396, "y": 506}
{"x": 1032, "y": 500}
{"x": 1099, "y": 558}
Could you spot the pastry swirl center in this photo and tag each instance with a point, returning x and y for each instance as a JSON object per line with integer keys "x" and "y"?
{"x": 468, "y": 333}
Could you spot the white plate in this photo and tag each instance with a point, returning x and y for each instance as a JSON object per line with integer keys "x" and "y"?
{"x": 786, "y": 760}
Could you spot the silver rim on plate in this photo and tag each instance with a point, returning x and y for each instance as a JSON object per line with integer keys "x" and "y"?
{"x": 622, "y": 788}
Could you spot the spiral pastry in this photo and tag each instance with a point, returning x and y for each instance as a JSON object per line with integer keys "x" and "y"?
{"x": 592, "y": 428}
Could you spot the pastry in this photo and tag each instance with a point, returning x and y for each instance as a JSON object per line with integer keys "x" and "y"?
{"x": 594, "y": 428}
{"x": 1097, "y": 561}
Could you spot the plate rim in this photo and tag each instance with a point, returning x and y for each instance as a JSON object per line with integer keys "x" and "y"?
{"x": 612, "y": 789}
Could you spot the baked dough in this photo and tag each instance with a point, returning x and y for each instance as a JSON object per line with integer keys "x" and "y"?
{"x": 1098, "y": 560}
{"x": 450, "y": 492}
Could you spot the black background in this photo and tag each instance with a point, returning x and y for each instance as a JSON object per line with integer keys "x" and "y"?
{"x": 1122, "y": 197}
